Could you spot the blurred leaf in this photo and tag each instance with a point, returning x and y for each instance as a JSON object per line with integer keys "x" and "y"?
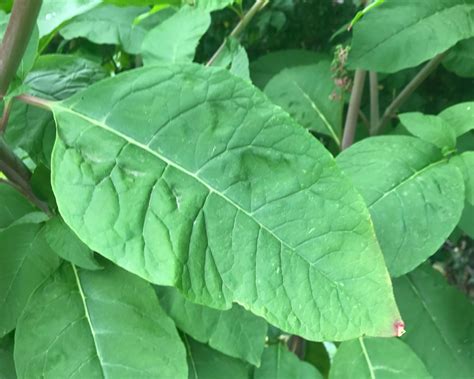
{"x": 318, "y": 356}
{"x": 460, "y": 59}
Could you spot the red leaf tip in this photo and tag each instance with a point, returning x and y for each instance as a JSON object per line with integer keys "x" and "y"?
{"x": 399, "y": 328}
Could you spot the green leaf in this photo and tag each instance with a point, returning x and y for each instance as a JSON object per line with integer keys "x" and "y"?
{"x": 128, "y": 3}
{"x": 377, "y": 358}
{"x": 108, "y": 24}
{"x": 209, "y": 5}
{"x": 305, "y": 93}
{"x": 206, "y": 363}
{"x": 65, "y": 243}
{"x": 465, "y": 163}
{"x": 235, "y": 58}
{"x": 235, "y": 332}
{"x": 404, "y": 33}
{"x": 12, "y": 206}
{"x": 429, "y": 128}
{"x": 460, "y": 117}
{"x": 53, "y": 77}
{"x": 279, "y": 363}
{"x": 7, "y": 366}
{"x": 25, "y": 262}
{"x": 414, "y": 195}
{"x": 54, "y": 13}
{"x": 91, "y": 324}
{"x": 176, "y": 38}
{"x": 467, "y": 220}
{"x": 215, "y": 193}
{"x": 460, "y": 59}
{"x": 267, "y": 66}
{"x": 439, "y": 323}
{"x": 317, "y": 355}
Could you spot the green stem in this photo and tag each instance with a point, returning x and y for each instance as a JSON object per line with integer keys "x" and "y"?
{"x": 16, "y": 38}
{"x": 407, "y": 92}
{"x": 240, "y": 27}
{"x": 353, "y": 111}
{"x": 374, "y": 101}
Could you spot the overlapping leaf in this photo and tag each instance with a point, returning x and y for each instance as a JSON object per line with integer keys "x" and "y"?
{"x": 439, "y": 323}
{"x": 90, "y": 324}
{"x": 460, "y": 59}
{"x": 414, "y": 195}
{"x": 190, "y": 177}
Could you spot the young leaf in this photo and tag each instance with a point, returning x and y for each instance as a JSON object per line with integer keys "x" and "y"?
{"x": 414, "y": 195}
{"x": 54, "y": 77}
{"x": 429, "y": 128}
{"x": 377, "y": 358}
{"x": 189, "y": 177}
{"x": 108, "y": 24}
{"x": 305, "y": 93}
{"x": 13, "y": 206}
{"x": 7, "y": 366}
{"x": 439, "y": 323}
{"x": 65, "y": 243}
{"x": 279, "y": 363}
{"x": 267, "y": 66}
{"x": 92, "y": 324}
{"x": 235, "y": 332}
{"x": 235, "y": 58}
{"x": 460, "y": 59}
{"x": 53, "y": 13}
{"x": 206, "y": 363}
{"x": 460, "y": 117}
{"x": 404, "y": 33}
{"x": 25, "y": 262}
{"x": 176, "y": 38}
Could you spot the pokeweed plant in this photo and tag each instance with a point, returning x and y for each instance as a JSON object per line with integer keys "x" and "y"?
{"x": 164, "y": 218}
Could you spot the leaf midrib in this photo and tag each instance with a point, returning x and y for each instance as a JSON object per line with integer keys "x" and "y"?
{"x": 367, "y": 358}
{"x": 89, "y": 321}
{"x": 59, "y": 106}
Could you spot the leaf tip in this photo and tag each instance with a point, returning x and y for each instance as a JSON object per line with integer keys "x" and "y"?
{"x": 399, "y": 328}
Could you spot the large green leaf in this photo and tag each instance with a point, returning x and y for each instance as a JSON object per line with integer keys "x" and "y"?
{"x": 53, "y": 13}
{"x": 460, "y": 117}
{"x": 305, "y": 93}
{"x": 65, "y": 243}
{"x": 188, "y": 176}
{"x": 25, "y": 262}
{"x": 206, "y": 363}
{"x": 108, "y": 24}
{"x": 377, "y": 358}
{"x": 439, "y": 318}
{"x": 7, "y": 366}
{"x": 414, "y": 195}
{"x": 267, "y": 66}
{"x": 54, "y": 77}
{"x": 279, "y": 363}
{"x": 175, "y": 39}
{"x": 404, "y": 33}
{"x": 12, "y": 206}
{"x": 91, "y": 324}
{"x": 235, "y": 332}
{"x": 460, "y": 59}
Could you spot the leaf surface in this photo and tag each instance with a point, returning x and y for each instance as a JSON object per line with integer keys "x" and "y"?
{"x": 414, "y": 195}
{"x": 108, "y": 24}
{"x": 177, "y": 174}
{"x": 460, "y": 117}
{"x": 7, "y": 366}
{"x": 460, "y": 59}
{"x": 13, "y": 206}
{"x": 439, "y": 323}
{"x": 305, "y": 93}
{"x": 404, "y": 33}
{"x": 234, "y": 332}
{"x": 25, "y": 262}
{"x": 90, "y": 324}
{"x": 206, "y": 363}
{"x": 279, "y": 363}
{"x": 176, "y": 38}
{"x": 377, "y": 358}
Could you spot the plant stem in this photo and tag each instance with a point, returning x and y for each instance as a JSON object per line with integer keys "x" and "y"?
{"x": 239, "y": 28}
{"x": 12, "y": 166}
{"x": 353, "y": 111}
{"x": 35, "y": 101}
{"x": 16, "y": 38}
{"x": 407, "y": 91}
{"x": 6, "y": 115}
{"x": 30, "y": 196}
{"x": 374, "y": 101}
